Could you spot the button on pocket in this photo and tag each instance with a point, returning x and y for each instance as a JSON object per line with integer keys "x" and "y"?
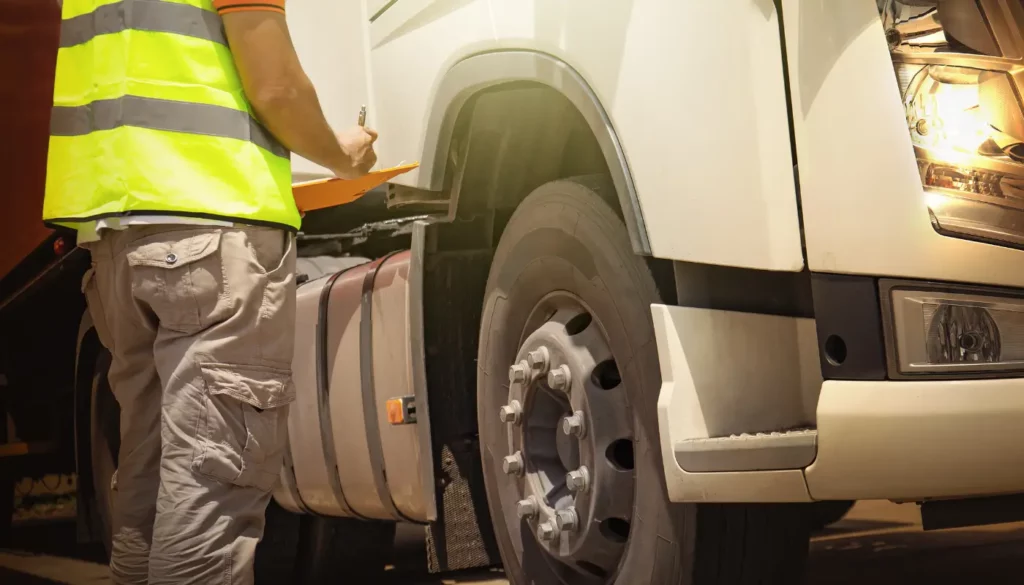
{"x": 178, "y": 275}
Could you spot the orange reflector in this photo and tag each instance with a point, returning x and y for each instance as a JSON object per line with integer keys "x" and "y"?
{"x": 396, "y": 411}
{"x": 59, "y": 246}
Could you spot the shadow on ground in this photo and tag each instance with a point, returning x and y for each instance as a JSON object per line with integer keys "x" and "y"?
{"x": 885, "y": 548}
{"x": 859, "y": 525}
{"x": 48, "y": 554}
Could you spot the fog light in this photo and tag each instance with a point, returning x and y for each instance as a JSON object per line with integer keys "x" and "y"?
{"x": 936, "y": 331}
{"x": 959, "y": 334}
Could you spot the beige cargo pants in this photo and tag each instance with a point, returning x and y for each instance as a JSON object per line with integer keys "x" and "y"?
{"x": 200, "y": 323}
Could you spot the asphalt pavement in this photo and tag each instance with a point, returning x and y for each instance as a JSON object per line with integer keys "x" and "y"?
{"x": 879, "y": 543}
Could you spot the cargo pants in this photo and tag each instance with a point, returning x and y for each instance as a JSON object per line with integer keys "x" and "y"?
{"x": 200, "y": 324}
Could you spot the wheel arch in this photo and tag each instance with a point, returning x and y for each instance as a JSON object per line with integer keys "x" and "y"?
{"x": 451, "y": 130}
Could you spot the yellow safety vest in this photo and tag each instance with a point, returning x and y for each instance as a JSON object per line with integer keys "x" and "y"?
{"x": 150, "y": 118}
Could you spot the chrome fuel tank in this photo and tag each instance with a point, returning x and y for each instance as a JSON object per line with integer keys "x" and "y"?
{"x": 359, "y": 436}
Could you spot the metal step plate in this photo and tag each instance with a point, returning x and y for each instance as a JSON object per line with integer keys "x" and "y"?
{"x": 793, "y": 449}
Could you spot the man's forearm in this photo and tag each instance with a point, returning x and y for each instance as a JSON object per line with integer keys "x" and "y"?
{"x": 279, "y": 90}
{"x": 294, "y": 116}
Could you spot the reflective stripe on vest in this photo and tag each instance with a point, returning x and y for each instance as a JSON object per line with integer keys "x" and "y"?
{"x": 148, "y": 15}
{"x": 159, "y": 114}
{"x": 150, "y": 117}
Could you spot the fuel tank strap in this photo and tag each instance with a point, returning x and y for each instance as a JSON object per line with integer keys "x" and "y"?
{"x": 373, "y": 438}
{"x": 324, "y": 392}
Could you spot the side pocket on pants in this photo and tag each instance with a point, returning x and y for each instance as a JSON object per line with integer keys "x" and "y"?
{"x": 94, "y": 301}
{"x": 241, "y": 433}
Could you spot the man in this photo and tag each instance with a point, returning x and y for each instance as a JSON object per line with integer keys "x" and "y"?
{"x": 184, "y": 199}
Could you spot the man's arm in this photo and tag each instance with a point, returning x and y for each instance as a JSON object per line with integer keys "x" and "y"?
{"x": 283, "y": 96}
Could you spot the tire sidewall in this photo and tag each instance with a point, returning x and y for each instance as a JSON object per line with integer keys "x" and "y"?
{"x": 563, "y": 237}
{"x": 828, "y": 512}
{"x": 103, "y": 455}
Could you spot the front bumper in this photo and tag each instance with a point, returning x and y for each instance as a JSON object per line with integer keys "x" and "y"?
{"x": 725, "y": 374}
{"x": 918, "y": 440}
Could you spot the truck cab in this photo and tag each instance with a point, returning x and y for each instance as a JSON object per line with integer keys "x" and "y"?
{"x": 837, "y": 295}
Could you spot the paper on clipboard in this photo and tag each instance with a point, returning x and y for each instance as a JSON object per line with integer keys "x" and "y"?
{"x": 332, "y": 192}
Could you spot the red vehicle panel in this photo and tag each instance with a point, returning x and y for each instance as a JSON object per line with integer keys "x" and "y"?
{"x": 29, "y": 33}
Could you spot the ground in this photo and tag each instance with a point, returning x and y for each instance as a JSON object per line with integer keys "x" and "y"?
{"x": 879, "y": 543}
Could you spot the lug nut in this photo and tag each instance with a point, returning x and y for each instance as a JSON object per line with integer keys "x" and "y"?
{"x": 572, "y": 425}
{"x": 567, "y": 520}
{"x": 538, "y": 359}
{"x": 560, "y": 378}
{"x": 511, "y": 413}
{"x": 517, "y": 373}
{"x": 513, "y": 464}
{"x": 547, "y": 531}
{"x": 578, "y": 480}
{"x": 527, "y": 508}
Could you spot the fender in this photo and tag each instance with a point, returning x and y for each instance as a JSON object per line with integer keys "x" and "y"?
{"x": 484, "y": 70}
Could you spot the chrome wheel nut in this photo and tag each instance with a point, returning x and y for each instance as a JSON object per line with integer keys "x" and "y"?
{"x": 573, "y": 425}
{"x": 560, "y": 378}
{"x": 513, "y": 464}
{"x": 511, "y": 413}
{"x": 567, "y": 520}
{"x": 578, "y": 480}
{"x": 517, "y": 373}
{"x": 547, "y": 531}
{"x": 527, "y": 508}
{"x": 538, "y": 359}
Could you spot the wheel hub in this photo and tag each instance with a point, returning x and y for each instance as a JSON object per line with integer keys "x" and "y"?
{"x": 570, "y": 438}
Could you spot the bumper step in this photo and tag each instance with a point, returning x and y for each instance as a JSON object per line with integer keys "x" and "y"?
{"x": 794, "y": 449}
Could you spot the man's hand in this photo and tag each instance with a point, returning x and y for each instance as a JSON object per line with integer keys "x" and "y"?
{"x": 357, "y": 148}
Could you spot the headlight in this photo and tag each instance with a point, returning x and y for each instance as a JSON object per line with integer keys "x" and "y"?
{"x": 960, "y": 70}
{"x": 974, "y": 331}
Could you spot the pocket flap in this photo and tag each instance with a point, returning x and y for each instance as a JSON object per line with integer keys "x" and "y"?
{"x": 170, "y": 250}
{"x": 260, "y": 386}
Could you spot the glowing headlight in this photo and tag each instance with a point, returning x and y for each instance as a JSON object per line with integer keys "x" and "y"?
{"x": 960, "y": 67}
{"x": 944, "y": 112}
{"x": 953, "y": 332}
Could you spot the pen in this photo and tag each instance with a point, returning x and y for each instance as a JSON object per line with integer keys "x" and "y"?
{"x": 362, "y": 115}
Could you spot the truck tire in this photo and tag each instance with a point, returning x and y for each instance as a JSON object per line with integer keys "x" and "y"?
{"x": 828, "y": 512}
{"x": 104, "y": 443}
{"x": 567, "y": 297}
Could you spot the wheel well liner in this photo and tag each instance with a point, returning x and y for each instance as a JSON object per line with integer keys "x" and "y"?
{"x": 476, "y": 74}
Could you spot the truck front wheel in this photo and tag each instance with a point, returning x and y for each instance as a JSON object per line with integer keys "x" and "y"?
{"x": 568, "y": 382}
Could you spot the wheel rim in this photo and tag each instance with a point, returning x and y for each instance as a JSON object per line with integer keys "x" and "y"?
{"x": 570, "y": 441}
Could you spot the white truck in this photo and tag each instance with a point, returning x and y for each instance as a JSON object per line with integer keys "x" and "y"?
{"x": 670, "y": 272}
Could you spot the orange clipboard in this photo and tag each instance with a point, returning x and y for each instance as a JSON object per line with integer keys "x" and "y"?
{"x": 332, "y": 192}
